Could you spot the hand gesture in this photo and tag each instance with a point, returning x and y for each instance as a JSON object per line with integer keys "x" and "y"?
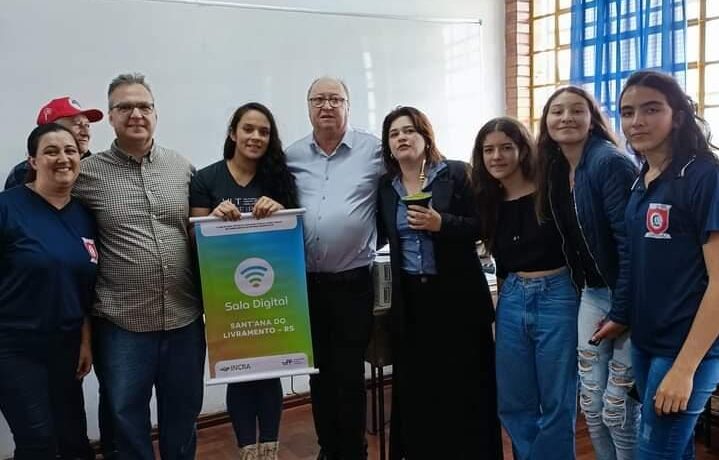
{"x": 421, "y": 218}
{"x": 265, "y": 206}
{"x": 226, "y": 211}
{"x": 84, "y": 362}
{"x": 673, "y": 393}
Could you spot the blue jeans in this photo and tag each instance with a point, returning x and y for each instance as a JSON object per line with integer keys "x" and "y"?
{"x": 252, "y": 405}
{"x": 536, "y": 333}
{"x": 670, "y": 436}
{"x": 40, "y": 396}
{"x": 130, "y": 364}
{"x": 606, "y": 376}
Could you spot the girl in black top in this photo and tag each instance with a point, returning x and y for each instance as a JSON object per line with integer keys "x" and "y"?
{"x": 252, "y": 177}
{"x": 536, "y": 329}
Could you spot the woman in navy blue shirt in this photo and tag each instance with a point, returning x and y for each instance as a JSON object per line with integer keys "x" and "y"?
{"x": 672, "y": 221}
{"x": 47, "y": 274}
{"x": 252, "y": 177}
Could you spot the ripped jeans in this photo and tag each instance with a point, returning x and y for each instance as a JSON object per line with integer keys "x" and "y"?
{"x": 606, "y": 376}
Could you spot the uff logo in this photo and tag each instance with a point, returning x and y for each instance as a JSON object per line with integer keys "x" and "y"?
{"x": 658, "y": 221}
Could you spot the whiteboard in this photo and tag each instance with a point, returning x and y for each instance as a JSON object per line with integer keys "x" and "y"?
{"x": 204, "y": 61}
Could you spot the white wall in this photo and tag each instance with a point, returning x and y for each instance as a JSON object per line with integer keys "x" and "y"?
{"x": 491, "y": 13}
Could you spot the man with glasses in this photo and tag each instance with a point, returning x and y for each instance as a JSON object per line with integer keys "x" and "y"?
{"x": 67, "y": 112}
{"x": 337, "y": 169}
{"x": 148, "y": 325}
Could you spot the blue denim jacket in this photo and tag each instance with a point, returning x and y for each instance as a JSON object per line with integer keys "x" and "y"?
{"x": 602, "y": 185}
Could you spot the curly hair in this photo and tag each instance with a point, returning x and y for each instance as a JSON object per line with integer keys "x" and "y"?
{"x": 272, "y": 172}
{"x": 691, "y": 134}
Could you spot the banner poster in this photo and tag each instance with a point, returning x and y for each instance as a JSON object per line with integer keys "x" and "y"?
{"x": 254, "y": 291}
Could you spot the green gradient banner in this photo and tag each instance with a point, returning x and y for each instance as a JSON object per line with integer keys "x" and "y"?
{"x": 254, "y": 290}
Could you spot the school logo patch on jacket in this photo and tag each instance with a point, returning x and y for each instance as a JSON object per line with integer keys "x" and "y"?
{"x": 89, "y": 244}
{"x": 658, "y": 221}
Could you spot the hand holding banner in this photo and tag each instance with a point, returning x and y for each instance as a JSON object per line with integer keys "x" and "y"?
{"x": 254, "y": 290}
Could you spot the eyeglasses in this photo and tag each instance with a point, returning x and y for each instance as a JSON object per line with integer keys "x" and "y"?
{"x": 334, "y": 101}
{"x": 126, "y": 108}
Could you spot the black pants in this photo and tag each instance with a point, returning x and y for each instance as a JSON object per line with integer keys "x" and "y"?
{"x": 438, "y": 414}
{"x": 40, "y": 396}
{"x": 341, "y": 320}
{"x": 254, "y": 407}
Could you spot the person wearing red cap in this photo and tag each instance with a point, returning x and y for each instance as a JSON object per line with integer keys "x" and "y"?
{"x": 66, "y": 112}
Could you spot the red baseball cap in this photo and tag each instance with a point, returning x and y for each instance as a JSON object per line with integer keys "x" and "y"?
{"x": 65, "y": 107}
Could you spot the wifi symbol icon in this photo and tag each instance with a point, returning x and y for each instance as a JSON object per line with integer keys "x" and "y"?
{"x": 254, "y": 276}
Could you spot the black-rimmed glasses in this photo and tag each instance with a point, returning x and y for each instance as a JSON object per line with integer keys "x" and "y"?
{"x": 126, "y": 108}
{"x": 335, "y": 101}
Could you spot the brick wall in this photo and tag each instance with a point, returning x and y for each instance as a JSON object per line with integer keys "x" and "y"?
{"x": 518, "y": 64}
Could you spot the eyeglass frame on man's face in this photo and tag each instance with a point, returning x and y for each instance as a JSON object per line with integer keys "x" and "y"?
{"x": 318, "y": 101}
{"x": 126, "y": 108}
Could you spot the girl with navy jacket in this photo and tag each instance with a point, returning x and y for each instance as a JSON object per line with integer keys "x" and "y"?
{"x": 672, "y": 224}
{"x": 588, "y": 182}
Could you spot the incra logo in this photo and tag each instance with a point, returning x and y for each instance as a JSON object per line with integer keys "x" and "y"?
{"x": 236, "y": 367}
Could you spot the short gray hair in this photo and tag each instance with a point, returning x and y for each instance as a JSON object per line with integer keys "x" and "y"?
{"x": 125, "y": 79}
{"x": 329, "y": 77}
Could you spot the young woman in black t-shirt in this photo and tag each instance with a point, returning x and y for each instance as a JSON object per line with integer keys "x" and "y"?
{"x": 536, "y": 328}
{"x": 252, "y": 177}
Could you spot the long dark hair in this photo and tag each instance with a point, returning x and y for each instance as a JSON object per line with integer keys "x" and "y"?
{"x": 488, "y": 191}
{"x": 424, "y": 128}
{"x": 272, "y": 170}
{"x": 599, "y": 126}
{"x": 33, "y": 141}
{"x": 548, "y": 148}
{"x": 691, "y": 134}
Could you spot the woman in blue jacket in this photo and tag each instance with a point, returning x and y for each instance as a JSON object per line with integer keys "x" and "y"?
{"x": 672, "y": 224}
{"x": 587, "y": 183}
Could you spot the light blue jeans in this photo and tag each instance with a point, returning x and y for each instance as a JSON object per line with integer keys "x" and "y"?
{"x": 606, "y": 376}
{"x": 536, "y": 334}
{"x": 670, "y": 437}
